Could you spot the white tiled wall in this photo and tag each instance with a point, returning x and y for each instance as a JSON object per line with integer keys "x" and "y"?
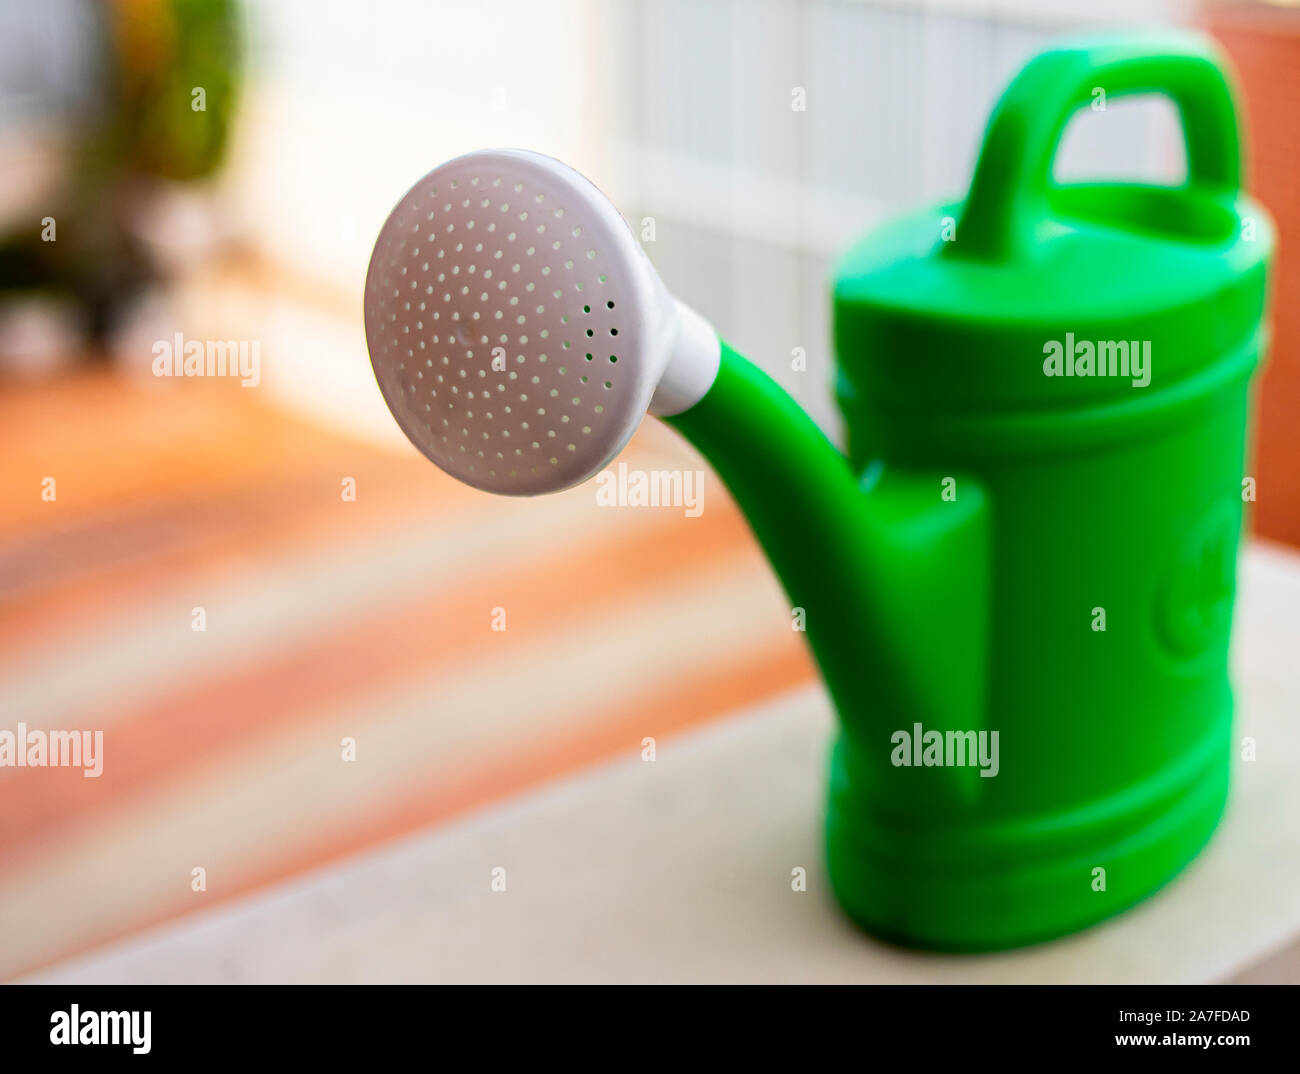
{"x": 753, "y": 201}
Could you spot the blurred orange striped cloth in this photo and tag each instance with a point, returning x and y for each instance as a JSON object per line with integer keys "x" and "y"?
{"x": 332, "y": 627}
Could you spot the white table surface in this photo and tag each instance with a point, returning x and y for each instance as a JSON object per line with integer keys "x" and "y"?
{"x": 679, "y": 870}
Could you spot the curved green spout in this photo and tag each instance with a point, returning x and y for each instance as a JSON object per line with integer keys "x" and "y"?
{"x": 891, "y": 577}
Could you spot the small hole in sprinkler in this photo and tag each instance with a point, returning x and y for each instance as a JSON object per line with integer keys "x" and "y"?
{"x": 613, "y": 331}
{"x": 586, "y": 309}
{"x": 589, "y": 357}
{"x": 590, "y": 332}
{"x": 613, "y": 357}
{"x": 610, "y": 304}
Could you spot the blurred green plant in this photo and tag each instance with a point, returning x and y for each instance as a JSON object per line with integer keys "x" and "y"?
{"x": 170, "y": 81}
{"x": 164, "y": 52}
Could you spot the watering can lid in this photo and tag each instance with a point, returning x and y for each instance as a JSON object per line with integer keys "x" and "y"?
{"x": 959, "y": 306}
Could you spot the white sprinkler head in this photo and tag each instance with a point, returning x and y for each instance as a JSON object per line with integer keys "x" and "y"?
{"x": 517, "y": 329}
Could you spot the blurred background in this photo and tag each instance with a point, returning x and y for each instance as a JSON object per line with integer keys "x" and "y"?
{"x": 219, "y": 169}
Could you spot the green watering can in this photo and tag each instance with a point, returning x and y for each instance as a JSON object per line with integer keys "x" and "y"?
{"x": 1018, "y": 585}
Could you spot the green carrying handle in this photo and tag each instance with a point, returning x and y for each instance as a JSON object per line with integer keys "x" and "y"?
{"x": 1008, "y": 200}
